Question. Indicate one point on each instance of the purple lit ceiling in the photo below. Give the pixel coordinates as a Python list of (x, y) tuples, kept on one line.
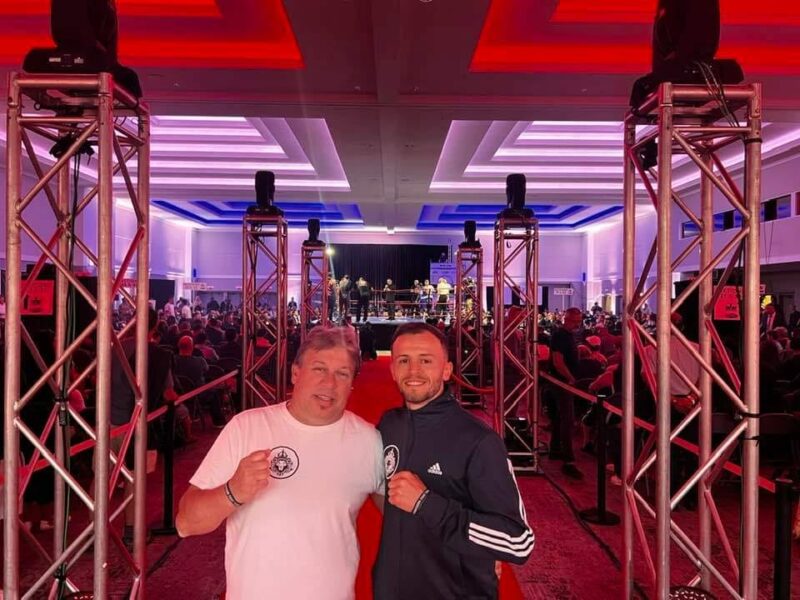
[(574, 170)]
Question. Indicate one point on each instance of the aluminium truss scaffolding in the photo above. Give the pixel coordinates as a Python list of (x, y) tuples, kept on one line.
[(698, 122), (468, 322), (314, 286), (264, 309), (514, 341), (77, 113)]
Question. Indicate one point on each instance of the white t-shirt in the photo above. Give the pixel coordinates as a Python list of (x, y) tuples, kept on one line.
[(297, 539)]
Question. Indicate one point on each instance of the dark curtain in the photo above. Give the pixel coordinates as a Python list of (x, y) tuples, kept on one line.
[(403, 264)]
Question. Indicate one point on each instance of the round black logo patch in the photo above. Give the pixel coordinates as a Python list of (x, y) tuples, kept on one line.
[(391, 458), (283, 462)]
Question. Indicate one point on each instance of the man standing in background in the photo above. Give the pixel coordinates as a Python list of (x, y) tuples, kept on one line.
[(443, 290), (564, 350), (388, 297), (362, 308), (344, 296)]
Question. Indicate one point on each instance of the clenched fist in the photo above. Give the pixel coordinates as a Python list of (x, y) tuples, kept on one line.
[(251, 476), (405, 488)]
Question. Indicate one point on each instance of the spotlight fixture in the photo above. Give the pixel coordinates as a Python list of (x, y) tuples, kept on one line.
[(63, 144), (470, 231), (686, 37), (313, 234), (329, 251), (265, 195), (648, 155), (516, 186), (85, 34)]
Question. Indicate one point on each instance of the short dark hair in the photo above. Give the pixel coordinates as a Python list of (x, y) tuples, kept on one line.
[(418, 328)]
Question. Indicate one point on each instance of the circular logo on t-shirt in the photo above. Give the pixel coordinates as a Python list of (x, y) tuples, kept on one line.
[(283, 462), (391, 458)]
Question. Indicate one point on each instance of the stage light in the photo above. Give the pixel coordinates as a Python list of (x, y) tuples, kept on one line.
[(265, 195), (685, 42), (65, 142), (470, 231), (85, 34), (329, 251), (516, 186), (313, 234)]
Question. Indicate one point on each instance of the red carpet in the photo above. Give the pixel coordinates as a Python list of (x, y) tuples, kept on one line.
[(373, 394)]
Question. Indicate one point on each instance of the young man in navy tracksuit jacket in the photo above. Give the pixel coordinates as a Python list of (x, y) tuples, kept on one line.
[(453, 507)]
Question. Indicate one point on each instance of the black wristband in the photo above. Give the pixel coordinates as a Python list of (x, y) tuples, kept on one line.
[(419, 501), (230, 495)]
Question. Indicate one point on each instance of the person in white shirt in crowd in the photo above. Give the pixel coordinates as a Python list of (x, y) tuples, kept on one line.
[(186, 310), (169, 309), (289, 479), (443, 290)]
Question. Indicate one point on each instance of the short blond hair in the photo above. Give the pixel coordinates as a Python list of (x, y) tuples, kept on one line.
[(327, 338)]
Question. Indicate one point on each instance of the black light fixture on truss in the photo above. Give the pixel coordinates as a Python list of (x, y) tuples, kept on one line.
[(470, 232), (516, 186), (685, 42), (85, 34), (313, 234), (265, 195)]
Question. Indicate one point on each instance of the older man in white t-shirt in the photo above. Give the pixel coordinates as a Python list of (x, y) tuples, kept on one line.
[(290, 480)]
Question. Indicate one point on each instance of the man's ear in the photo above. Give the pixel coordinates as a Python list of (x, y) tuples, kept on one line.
[(448, 370), (295, 373)]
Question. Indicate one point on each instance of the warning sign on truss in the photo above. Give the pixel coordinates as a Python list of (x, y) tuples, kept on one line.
[(39, 298), (728, 304)]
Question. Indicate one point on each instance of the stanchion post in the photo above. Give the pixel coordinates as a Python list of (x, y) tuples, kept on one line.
[(168, 525), (600, 515), (783, 540)]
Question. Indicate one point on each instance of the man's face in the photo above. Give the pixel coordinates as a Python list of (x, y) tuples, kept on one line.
[(322, 384), (388, 282), (572, 321), (419, 368)]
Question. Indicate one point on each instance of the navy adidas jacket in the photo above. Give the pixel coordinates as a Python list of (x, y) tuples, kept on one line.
[(473, 514)]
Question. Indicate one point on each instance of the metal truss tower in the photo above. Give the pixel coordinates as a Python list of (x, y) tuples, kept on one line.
[(514, 342), (468, 322), (74, 114), (264, 309), (313, 285), (696, 122)]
